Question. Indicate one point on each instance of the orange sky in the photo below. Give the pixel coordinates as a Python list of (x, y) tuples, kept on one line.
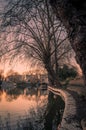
[(20, 67)]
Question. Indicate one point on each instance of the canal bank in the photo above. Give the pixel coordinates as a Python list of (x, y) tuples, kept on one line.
[(75, 110)]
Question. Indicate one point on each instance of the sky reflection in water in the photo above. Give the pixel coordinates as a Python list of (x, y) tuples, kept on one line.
[(22, 106)]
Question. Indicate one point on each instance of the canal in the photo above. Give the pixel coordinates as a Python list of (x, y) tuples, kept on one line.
[(22, 110)]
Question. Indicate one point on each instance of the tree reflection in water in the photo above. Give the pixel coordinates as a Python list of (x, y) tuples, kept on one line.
[(29, 111), (54, 112)]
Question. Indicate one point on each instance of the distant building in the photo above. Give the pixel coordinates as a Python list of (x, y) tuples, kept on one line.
[(43, 78), (37, 78)]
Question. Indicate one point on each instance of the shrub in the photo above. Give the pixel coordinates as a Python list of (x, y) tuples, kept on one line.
[(67, 72)]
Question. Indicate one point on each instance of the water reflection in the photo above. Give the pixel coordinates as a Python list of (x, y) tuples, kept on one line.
[(20, 110), (29, 110), (54, 112)]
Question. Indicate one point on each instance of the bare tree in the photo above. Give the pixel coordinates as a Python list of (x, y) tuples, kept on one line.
[(72, 14), (32, 31)]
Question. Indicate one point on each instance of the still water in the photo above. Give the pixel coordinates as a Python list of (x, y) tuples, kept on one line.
[(22, 111)]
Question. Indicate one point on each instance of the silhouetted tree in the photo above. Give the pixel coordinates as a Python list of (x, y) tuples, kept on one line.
[(35, 32)]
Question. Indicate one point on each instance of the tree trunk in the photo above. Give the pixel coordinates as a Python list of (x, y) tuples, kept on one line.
[(52, 77), (72, 14)]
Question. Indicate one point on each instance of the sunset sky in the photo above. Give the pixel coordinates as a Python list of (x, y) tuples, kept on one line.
[(20, 67)]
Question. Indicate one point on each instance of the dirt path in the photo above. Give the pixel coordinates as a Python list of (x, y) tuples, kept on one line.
[(78, 91)]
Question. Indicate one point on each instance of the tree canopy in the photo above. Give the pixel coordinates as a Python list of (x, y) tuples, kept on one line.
[(30, 30)]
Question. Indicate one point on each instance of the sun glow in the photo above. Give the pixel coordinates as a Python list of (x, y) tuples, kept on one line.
[(21, 68)]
